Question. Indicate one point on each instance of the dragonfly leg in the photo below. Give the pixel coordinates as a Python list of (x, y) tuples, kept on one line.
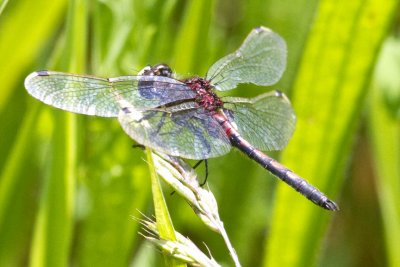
[(142, 147), (206, 169), (197, 164)]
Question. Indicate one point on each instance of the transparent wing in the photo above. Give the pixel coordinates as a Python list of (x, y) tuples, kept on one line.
[(266, 121), (261, 60), (188, 133), (104, 97)]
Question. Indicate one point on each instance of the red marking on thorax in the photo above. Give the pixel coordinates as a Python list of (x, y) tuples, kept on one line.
[(205, 97)]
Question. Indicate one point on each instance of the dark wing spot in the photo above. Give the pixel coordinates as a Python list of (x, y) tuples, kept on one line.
[(42, 73)]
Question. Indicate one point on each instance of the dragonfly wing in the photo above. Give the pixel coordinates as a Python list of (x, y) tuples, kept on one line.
[(261, 60), (266, 121), (188, 133), (104, 97)]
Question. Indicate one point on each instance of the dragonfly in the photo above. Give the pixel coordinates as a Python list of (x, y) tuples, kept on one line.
[(185, 117)]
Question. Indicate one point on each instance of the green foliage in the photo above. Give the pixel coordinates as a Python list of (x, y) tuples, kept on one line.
[(69, 184), (384, 132), (327, 99)]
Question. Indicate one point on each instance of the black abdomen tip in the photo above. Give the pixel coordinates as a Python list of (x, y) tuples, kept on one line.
[(330, 205)]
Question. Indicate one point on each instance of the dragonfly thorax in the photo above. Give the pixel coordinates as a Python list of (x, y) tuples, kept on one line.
[(205, 97)]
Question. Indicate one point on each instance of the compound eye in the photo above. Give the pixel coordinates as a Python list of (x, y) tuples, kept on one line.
[(148, 70), (162, 70)]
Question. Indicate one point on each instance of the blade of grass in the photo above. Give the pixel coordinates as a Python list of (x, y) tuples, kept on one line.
[(54, 225), (18, 19), (384, 133), (52, 232), (115, 175), (3, 5), (343, 44), (17, 23), (190, 45), (14, 177), (164, 223)]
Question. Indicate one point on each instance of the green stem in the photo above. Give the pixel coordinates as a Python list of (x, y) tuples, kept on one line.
[(164, 223)]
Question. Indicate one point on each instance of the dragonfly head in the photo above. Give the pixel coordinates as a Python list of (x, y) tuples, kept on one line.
[(156, 70)]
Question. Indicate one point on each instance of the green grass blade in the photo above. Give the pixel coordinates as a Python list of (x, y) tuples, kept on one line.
[(3, 5), (328, 93), (17, 21), (164, 223), (384, 133), (9, 175), (115, 179), (16, 182), (54, 225), (190, 45), (21, 36), (52, 232)]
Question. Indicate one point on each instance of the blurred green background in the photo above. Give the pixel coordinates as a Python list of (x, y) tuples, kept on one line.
[(69, 184)]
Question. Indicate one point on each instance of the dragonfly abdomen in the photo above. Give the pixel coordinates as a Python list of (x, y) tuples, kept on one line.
[(283, 173), (277, 169)]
